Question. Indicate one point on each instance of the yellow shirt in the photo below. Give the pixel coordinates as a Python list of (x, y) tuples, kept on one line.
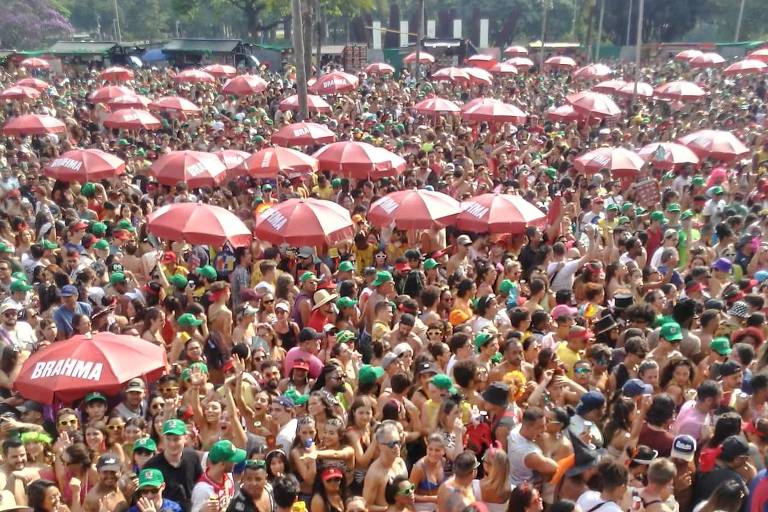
[(432, 408), (568, 357), (379, 330), (363, 257), (323, 193)]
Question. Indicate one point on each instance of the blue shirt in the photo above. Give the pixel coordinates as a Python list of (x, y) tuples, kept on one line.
[(167, 506), (63, 317)]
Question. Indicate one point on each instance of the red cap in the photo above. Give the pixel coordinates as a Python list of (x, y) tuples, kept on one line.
[(300, 364), (78, 225), (169, 257), (598, 200), (121, 234), (402, 267), (332, 472)]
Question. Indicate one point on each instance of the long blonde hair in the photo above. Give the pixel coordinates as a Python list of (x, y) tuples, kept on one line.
[(498, 468)]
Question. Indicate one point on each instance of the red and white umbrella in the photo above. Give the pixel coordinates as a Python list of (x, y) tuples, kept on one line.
[(451, 74), (644, 90), (33, 124), (609, 86), (668, 155), (563, 114), (515, 51), (132, 119), (35, 63), (424, 58), (199, 224), (359, 160), (233, 159), (313, 222), (195, 168), (481, 61), (746, 67), (622, 163), (593, 104), (592, 71), (108, 93), (116, 74), (707, 60), (436, 106), (761, 54), (83, 165), (499, 213), (560, 62), (314, 104), (680, 90), (194, 76), (715, 144), (174, 104), (379, 68), (334, 82), (522, 63), (130, 101), (220, 70), (303, 134), (19, 93), (494, 112), (244, 85), (503, 69), (271, 161), (414, 209), (687, 55), (479, 76), (34, 83)]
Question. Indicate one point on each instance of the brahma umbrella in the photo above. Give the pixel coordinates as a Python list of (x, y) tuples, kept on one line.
[(609, 86), (314, 104), (668, 155), (479, 76), (761, 55), (174, 104), (34, 83), (312, 222), (233, 160), (593, 104), (270, 162), (195, 168), (359, 160), (746, 67), (83, 165), (414, 209), (220, 70), (379, 68), (451, 74), (680, 90), (33, 124), (592, 71), (424, 58), (194, 76), (132, 119), (622, 163), (643, 90), (707, 60), (481, 61), (244, 85), (19, 93), (35, 63), (523, 63), (563, 114), (108, 93), (436, 106), (334, 82), (503, 69), (199, 224), (515, 51), (494, 112), (136, 101), (560, 62), (116, 74), (303, 134), (499, 213), (687, 55), (715, 144)]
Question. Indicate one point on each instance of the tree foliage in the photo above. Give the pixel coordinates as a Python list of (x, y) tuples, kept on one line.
[(31, 24)]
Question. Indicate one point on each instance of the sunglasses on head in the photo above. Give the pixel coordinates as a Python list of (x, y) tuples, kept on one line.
[(256, 464)]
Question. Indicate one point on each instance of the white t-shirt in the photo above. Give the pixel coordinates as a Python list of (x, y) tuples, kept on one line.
[(518, 449), (286, 435), (564, 278), (589, 501)]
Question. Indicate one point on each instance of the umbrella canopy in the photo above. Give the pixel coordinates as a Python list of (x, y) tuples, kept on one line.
[(593, 104), (359, 160), (414, 209), (232, 158), (707, 60), (680, 90), (244, 85), (622, 163), (195, 168), (499, 213), (174, 104), (304, 222), (563, 114), (494, 112), (130, 101), (481, 61), (436, 106), (478, 101), (746, 67), (761, 54), (199, 224), (132, 119), (560, 62), (19, 93), (609, 86), (35, 63), (644, 90), (334, 82), (270, 162), (523, 63), (503, 69), (83, 165), (479, 76), (220, 70), (379, 68), (34, 83), (303, 134), (33, 124), (424, 58), (108, 93), (715, 144), (687, 55), (314, 104), (116, 74), (451, 74), (103, 362), (515, 51), (194, 76), (592, 71), (668, 155)]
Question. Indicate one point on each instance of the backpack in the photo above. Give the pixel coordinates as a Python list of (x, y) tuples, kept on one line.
[(215, 354), (412, 284)]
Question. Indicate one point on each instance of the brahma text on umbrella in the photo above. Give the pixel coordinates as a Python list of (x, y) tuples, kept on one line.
[(275, 219), (475, 209), (68, 163), (86, 370)]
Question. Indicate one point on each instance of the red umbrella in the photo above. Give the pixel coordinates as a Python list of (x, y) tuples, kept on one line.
[(481, 61), (761, 54), (414, 209), (83, 165), (34, 83), (451, 74), (110, 92), (494, 112), (33, 124), (593, 104), (746, 67), (198, 224), (687, 55), (424, 58), (504, 69), (592, 71), (303, 134), (244, 85), (19, 93), (668, 155), (194, 76), (304, 222), (436, 106), (334, 82), (515, 51), (499, 213), (523, 63), (269, 162), (220, 70), (560, 62), (479, 76), (715, 144), (622, 163), (707, 60), (563, 114), (680, 90), (359, 160), (174, 104), (195, 168), (132, 119), (314, 104), (35, 63), (232, 158), (609, 86), (103, 362), (379, 68), (116, 74), (644, 90), (130, 101)]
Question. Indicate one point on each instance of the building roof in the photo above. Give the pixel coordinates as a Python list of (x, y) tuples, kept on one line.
[(82, 47), (201, 45)]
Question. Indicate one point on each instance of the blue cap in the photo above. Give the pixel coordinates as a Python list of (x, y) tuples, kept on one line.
[(69, 291), (589, 402), (761, 275), (636, 387)]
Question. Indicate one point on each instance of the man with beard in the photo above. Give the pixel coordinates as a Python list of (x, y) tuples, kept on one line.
[(512, 350), (216, 487), (14, 473), (270, 376), (19, 335), (302, 306), (106, 489)]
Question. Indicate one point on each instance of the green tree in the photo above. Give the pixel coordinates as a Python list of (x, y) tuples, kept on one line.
[(664, 21)]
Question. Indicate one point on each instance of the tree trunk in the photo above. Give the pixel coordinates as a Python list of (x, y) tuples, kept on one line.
[(250, 19), (307, 29), (287, 27), (391, 37), (319, 31)]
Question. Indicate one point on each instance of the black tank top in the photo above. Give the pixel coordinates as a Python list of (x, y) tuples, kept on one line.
[(288, 339)]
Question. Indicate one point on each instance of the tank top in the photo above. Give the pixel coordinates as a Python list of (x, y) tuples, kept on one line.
[(296, 313), (288, 338)]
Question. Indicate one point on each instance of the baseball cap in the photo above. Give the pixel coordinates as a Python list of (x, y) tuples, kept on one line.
[(721, 345), (135, 385), (331, 472), (150, 477), (174, 427), (69, 291), (117, 278), (306, 276), (101, 245), (145, 443), (98, 228), (430, 263), (20, 286), (308, 333), (346, 266), (671, 332), (369, 374), (482, 339), (442, 381), (8, 306), (189, 320), (225, 451), (94, 396), (207, 272), (108, 462), (683, 448), (382, 277), (178, 280), (345, 336), (562, 310), (345, 302), (733, 446), (723, 265), (388, 359), (463, 240), (728, 368), (636, 387)]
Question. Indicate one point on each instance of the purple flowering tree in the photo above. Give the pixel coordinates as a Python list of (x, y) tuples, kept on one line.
[(30, 24)]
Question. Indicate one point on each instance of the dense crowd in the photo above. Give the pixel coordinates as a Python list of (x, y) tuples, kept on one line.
[(609, 359)]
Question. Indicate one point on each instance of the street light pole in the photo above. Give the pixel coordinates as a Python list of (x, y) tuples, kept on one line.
[(419, 37), (543, 32), (638, 48), (629, 21), (299, 58), (738, 22), (600, 30), (117, 23)]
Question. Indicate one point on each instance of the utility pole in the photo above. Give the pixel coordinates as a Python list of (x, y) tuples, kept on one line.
[(544, 7), (629, 21), (738, 22), (299, 58), (600, 30), (319, 29), (419, 37), (117, 23), (638, 47)]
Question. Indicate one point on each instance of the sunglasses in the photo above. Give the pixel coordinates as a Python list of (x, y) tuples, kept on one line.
[(143, 453), (268, 301), (406, 491), (169, 390), (583, 370), (70, 423), (115, 427), (392, 444)]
